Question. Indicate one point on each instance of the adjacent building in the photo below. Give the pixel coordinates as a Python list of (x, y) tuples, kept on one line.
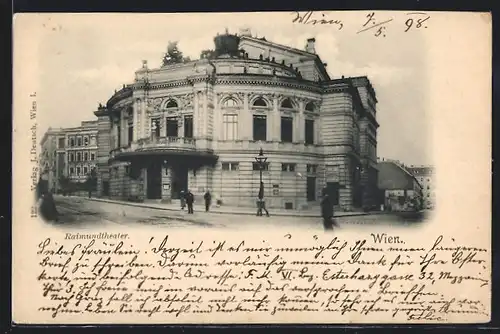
[(199, 125), (69, 152), (425, 175), (400, 190)]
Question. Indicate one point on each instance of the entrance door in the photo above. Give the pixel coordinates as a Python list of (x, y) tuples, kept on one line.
[(332, 188), (172, 127), (105, 188), (154, 181), (179, 181), (311, 188)]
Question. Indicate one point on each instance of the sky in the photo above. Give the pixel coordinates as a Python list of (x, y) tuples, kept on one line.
[(83, 58)]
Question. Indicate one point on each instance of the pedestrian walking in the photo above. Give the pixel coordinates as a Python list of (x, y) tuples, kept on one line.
[(190, 201), (327, 212), (208, 200), (261, 204), (182, 196)]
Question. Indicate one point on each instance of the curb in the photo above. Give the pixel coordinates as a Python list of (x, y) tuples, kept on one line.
[(227, 213)]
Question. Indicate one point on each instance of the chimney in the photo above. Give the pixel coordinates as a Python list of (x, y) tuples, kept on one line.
[(310, 45)]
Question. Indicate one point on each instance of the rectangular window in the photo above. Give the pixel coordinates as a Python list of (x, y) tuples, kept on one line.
[(78, 156), (287, 129), (259, 128), (92, 156), (86, 141), (86, 156), (71, 171), (71, 157), (312, 168), (288, 167), (172, 127), (230, 123), (230, 166), (85, 170), (72, 142), (77, 170), (309, 132), (188, 126), (79, 140), (61, 142), (256, 166)]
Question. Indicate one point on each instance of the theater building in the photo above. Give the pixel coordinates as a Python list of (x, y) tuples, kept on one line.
[(200, 124)]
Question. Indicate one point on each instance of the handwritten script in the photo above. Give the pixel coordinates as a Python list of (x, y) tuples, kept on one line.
[(371, 23), (373, 277)]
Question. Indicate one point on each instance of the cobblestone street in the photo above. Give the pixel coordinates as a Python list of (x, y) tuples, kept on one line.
[(78, 212)]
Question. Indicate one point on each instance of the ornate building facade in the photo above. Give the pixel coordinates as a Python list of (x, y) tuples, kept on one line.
[(70, 152), (199, 125)]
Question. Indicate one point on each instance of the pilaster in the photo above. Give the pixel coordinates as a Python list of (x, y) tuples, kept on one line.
[(274, 124)]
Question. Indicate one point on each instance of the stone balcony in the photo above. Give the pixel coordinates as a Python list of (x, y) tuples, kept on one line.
[(156, 144), (185, 149)]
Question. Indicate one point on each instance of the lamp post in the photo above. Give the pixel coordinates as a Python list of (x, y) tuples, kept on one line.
[(261, 160)]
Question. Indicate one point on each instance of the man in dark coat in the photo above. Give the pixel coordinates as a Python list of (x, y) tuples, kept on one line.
[(190, 201), (327, 212), (208, 200), (261, 204)]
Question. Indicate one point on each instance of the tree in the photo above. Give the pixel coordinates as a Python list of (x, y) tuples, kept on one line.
[(173, 55), (91, 181), (206, 54)]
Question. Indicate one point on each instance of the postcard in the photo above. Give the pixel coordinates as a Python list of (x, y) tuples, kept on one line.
[(261, 167)]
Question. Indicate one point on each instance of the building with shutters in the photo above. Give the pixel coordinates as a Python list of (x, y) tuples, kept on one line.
[(71, 152), (200, 124)]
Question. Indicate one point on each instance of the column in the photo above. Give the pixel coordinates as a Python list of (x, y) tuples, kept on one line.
[(195, 115), (217, 119), (163, 125), (245, 121), (205, 114), (300, 127), (144, 121), (135, 110), (275, 133), (301, 124)]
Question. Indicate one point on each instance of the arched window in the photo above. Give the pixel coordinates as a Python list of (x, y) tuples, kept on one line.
[(172, 104), (310, 106), (229, 103), (260, 103), (287, 104)]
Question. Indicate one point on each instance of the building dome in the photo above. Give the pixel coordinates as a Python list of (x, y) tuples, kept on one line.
[(226, 45)]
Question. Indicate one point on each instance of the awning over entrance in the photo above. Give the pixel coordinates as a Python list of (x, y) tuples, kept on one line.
[(189, 160)]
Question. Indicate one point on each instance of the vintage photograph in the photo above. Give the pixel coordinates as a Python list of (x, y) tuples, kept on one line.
[(233, 119), (242, 168)]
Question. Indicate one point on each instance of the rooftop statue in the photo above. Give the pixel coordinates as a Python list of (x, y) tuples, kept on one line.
[(227, 45)]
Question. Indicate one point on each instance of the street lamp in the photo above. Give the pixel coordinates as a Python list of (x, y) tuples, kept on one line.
[(261, 160)]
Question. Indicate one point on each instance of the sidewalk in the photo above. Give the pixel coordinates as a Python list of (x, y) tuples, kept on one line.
[(233, 210)]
